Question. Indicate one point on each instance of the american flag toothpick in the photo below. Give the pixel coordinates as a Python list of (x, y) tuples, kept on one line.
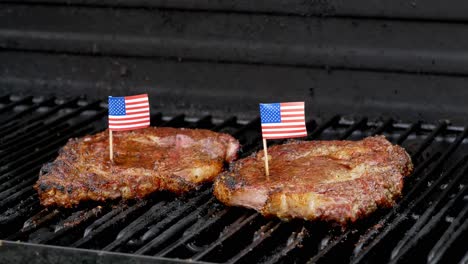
[(127, 113), (281, 120)]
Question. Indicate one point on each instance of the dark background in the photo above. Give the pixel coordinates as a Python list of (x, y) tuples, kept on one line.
[(402, 59)]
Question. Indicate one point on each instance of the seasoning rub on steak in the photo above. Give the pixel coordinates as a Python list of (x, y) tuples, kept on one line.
[(337, 181), (145, 161)]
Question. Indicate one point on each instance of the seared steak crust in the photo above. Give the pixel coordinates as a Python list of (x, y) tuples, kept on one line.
[(329, 180), (145, 161)]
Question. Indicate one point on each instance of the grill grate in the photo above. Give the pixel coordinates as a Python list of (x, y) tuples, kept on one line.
[(428, 223)]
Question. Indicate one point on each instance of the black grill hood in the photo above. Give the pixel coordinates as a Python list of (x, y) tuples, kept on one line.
[(404, 59)]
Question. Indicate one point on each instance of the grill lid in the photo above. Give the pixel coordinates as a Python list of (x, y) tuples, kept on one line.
[(428, 223)]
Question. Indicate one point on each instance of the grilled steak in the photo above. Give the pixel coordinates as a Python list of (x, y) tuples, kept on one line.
[(330, 180), (145, 161)]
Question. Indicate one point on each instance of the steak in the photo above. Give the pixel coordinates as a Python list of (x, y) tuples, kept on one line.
[(338, 181), (145, 161)]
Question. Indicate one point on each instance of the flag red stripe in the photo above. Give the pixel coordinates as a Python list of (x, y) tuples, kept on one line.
[(129, 128), (137, 104), (138, 96), (126, 118), (136, 119), (284, 131), (280, 137), (292, 104), (281, 126), (269, 131), (292, 110), (290, 121), (128, 124), (140, 111), (292, 115)]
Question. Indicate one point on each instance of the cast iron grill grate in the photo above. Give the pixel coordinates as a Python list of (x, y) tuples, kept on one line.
[(428, 224)]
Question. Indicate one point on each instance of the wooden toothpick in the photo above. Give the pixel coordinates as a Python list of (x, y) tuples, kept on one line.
[(111, 147), (267, 170)]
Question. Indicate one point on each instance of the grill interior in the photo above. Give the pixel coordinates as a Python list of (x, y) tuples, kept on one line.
[(429, 222)]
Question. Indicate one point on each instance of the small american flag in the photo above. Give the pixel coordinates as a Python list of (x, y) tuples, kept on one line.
[(283, 120), (129, 112)]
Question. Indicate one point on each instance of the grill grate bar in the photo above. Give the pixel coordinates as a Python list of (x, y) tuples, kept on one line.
[(329, 246), (464, 259), (15, 192), (34, 163), (182, 210), (153, 214), (171, 212), (457, 228), (194, 231), (14, 186), (361, 124), (430, 226), (17, 116), (428, 140), (36, 121), (293, 243), (13, 104), (78, 218), (404, 244), (359, 255), (205, 122), (263, 233), (117, 219), (22, 210), (43, 217), (228, 232), (22, 160), (41, 141), (231, 121), (104, 219), (255, 123), (14, 195), (22, 138), (177, 121), (412, 128), (28, 167), (311, 125), (156, 119), (165, 236), (382, 128), (26, 156), (319, 130), (70, 223)]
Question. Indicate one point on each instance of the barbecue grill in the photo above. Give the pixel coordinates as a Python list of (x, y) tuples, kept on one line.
[(428, 223), (362, 71)]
